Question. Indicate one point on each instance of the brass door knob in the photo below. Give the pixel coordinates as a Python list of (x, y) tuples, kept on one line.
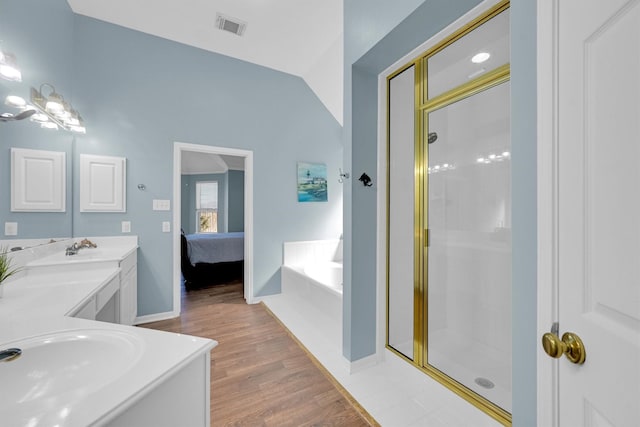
[(570, 344)]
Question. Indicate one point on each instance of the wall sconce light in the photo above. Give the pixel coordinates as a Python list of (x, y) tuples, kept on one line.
[(54, 111), (9, 68)]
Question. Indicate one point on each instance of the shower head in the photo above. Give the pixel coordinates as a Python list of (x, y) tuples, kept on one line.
[(432, 137)]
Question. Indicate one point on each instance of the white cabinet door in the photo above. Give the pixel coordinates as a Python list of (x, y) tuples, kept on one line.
[(88, 311), (129, 297), (102, 183), (38, 181), (597, 207)]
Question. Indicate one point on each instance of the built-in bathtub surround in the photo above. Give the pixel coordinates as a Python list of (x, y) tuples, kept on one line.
[(312, 276)]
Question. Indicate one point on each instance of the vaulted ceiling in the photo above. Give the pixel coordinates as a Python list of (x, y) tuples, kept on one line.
[(299, 37)]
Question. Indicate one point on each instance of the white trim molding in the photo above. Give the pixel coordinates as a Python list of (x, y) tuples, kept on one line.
[(547, 214), (140, 320), (178, 149)]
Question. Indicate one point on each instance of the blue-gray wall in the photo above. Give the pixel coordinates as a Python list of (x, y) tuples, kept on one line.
[(375, 38), (188, 200), (138, 95), (40, 34), (524, 236), (230, 200), (235, 201), (365, 23), (144, 93)]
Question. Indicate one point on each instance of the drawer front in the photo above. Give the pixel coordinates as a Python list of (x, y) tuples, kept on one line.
[(107, 292)]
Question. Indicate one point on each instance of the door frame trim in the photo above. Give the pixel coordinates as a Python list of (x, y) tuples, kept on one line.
[(178, 148), (547, 211)]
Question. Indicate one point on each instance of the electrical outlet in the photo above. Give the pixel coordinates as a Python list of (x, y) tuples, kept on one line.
[(10, 228), (126, 226), (166, 227)]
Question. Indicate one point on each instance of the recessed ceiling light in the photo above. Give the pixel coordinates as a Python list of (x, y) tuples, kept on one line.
[(479, 58)]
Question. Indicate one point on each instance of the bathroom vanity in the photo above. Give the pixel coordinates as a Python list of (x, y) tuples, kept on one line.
[(117, 300), (79, 366)]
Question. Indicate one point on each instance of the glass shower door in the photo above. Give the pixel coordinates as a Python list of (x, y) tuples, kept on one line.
[(468, 211)]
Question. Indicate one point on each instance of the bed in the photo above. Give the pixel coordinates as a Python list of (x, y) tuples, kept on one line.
[(212, 258)]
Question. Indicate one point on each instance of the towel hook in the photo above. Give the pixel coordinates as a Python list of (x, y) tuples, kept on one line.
[(343, 176)]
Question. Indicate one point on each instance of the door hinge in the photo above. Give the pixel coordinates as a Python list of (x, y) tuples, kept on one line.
[(427, 237)]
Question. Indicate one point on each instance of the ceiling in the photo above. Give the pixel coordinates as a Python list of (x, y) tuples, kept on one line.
[(299, 37), (195, 163)]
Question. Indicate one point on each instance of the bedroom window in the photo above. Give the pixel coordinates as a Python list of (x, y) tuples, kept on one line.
[(207, 206)]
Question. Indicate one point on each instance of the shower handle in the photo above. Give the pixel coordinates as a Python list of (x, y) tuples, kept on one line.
[(570, 344)]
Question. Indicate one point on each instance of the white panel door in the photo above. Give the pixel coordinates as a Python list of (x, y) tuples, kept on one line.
[(102, 183), (598, 239)]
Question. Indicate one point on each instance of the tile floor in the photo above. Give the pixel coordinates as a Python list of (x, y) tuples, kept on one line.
[(392, 391)]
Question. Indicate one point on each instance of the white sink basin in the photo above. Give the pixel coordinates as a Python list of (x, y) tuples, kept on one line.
[(83, 255), (63, 367)]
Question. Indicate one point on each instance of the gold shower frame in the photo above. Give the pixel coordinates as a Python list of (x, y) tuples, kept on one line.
[(423, 106)]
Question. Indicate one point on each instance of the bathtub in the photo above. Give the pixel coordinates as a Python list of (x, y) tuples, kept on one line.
[(312, 274), (328, 273)]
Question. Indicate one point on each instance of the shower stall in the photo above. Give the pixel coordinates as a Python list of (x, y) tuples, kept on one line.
[(449, 212)]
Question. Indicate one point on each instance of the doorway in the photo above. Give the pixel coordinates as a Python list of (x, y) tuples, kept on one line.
[(184, 149)]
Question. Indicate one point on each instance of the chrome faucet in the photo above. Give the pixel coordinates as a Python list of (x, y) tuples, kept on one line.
[(85, 243), (10, 354), (73, 249)]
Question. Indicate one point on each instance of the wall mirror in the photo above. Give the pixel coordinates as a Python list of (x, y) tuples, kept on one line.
[(38, 64), (449, 213), (24, 135)]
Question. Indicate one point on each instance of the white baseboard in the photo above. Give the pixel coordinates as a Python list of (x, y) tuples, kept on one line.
[(155, 317), (360, 364)]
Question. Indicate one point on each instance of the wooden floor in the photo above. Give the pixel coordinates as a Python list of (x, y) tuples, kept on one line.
[(260, 376)]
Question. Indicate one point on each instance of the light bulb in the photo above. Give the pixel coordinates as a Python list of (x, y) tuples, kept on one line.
[(480, 57)]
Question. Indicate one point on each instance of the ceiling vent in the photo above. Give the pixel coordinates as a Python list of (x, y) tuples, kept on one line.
[(230, 24)]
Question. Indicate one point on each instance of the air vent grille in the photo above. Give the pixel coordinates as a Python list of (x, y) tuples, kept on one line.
[(230, 24)]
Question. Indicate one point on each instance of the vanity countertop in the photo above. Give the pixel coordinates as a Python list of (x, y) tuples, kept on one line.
[(108, 249), (36, 305)]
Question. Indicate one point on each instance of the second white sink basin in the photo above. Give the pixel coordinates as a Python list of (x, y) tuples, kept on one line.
[(65, 366)]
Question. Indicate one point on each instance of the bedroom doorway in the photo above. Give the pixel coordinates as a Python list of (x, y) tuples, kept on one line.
[(219, 156)]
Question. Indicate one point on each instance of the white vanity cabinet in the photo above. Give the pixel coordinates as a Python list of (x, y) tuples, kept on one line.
[(180, 399), (161, 379), (115, 300), (86, 311), (129, 289), (103, 305)]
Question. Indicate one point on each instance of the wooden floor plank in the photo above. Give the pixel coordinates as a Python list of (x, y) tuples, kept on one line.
[(260, 375)]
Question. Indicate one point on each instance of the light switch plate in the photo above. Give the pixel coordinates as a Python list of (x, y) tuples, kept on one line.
[(166, 227), (126, 226), (10, 228), (161, 205)]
